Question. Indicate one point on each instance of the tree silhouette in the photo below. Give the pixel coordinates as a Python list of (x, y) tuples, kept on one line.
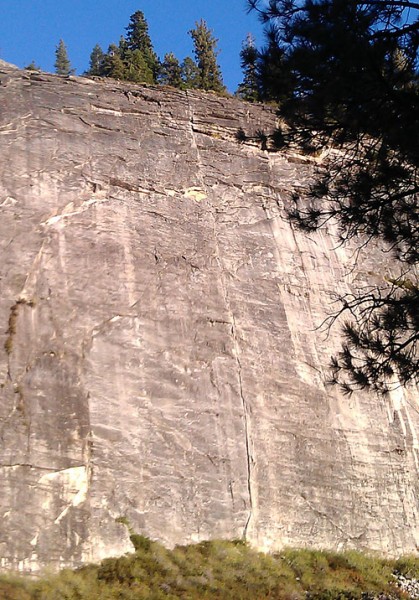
[(347, 79)]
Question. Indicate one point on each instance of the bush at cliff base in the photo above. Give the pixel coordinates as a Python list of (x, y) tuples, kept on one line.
[(224, 570)]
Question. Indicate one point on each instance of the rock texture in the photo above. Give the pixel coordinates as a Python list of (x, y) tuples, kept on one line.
[(159, 355)]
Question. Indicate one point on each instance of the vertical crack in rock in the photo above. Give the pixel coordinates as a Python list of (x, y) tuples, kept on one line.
[(88, 452), (10, 333), (19, 405), (250, 461), (247, 433)]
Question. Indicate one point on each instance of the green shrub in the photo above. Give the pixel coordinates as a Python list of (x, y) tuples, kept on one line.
[(407, 566), (218, 570), (12, 588), (140, 542)]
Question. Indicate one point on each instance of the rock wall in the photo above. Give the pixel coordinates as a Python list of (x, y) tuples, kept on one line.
[(160, 357)]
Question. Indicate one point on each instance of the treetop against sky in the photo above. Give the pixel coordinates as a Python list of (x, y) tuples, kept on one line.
[(31, 30)]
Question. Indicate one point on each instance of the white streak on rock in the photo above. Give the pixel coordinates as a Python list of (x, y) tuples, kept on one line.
[(69, 210)]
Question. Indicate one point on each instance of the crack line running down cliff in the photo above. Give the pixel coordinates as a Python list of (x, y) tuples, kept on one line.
[(245, 405)]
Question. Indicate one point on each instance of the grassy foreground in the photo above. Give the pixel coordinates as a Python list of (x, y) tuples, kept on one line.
[(219, 569)]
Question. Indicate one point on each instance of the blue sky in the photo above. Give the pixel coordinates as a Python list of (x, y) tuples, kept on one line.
[(31, 29)]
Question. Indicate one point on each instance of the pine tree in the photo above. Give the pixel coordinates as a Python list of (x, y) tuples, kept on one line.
[(275, 79), (96, 62), (137, 68), (190, 74), (353, 86), (62, 63), (112, 64), (132, 60), (32, 66), (249, 88), (206, 57), (171, 71), (123, 46), (138, 38)]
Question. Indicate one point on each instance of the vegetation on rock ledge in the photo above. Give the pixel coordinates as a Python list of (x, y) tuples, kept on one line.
[(221, 569)]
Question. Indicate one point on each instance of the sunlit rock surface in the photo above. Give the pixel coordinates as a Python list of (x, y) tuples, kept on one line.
[(160, 357)]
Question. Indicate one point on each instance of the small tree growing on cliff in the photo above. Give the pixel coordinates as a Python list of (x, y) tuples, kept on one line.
[(32, 66), (62, 63), (206, 57)]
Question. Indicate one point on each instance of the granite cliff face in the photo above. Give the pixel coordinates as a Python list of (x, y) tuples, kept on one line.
[(159, 357)]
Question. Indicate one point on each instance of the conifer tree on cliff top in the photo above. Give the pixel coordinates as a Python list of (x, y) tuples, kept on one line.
[(249, 88), (112, 64), (96, 61), (62, 63), (347, 79), (138, 39), (133, 59), (171, 71), (190, 73), (206, 57)]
